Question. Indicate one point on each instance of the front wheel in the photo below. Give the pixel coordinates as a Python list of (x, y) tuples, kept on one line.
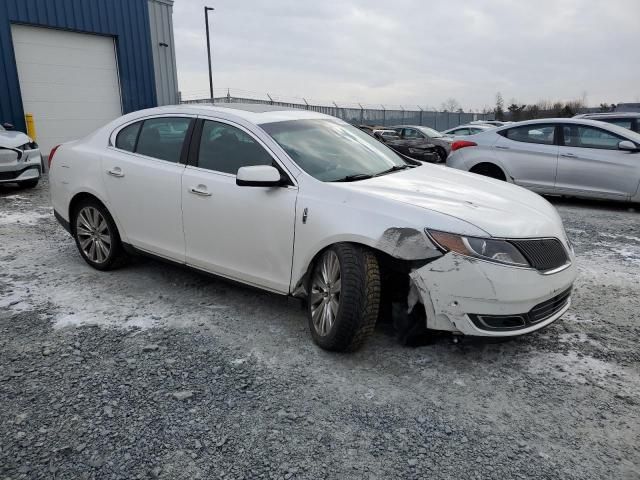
[(344, 297), (442, 154)]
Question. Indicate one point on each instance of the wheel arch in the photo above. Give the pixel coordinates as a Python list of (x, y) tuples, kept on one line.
[(491, 165), (86, 195)]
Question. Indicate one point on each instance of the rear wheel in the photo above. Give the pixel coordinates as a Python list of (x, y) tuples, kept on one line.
[(442, 154), (344, 297), (28, 183), (96, 236)]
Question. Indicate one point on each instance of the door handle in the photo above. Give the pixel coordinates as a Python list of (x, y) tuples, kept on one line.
[(502, 147), (200, 190), (115, 172), (570, 155)]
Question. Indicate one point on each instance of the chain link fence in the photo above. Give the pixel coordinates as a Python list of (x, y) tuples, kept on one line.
[(369, 116)]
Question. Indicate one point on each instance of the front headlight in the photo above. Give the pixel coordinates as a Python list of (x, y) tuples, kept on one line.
[(498, 251)]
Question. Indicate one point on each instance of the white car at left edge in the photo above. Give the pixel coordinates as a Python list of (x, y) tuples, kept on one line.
[(20, 159), (303, 204)]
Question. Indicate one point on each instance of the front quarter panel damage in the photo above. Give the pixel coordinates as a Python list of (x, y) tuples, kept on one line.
[(455, 285)]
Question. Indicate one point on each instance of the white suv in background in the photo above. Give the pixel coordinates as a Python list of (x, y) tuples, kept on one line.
[(303, 204)]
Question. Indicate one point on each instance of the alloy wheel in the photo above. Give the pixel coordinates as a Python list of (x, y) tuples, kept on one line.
[(325, 293), (93, 234)]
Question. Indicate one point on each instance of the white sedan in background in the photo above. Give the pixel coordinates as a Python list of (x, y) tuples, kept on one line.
[(563, 156), (303, 204)]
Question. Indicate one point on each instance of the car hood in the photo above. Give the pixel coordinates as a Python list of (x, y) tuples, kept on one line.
[(13, 139), (499, 208)]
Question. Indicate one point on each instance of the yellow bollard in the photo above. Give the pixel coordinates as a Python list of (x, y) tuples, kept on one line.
[(31, 125)]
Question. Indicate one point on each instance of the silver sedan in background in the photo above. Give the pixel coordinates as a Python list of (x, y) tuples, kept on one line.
[(574, 157)]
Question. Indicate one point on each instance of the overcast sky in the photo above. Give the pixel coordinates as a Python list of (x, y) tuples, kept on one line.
[(420, 52)]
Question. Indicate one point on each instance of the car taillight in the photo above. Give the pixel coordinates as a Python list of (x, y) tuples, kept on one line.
[(457, 145), (51, 154)]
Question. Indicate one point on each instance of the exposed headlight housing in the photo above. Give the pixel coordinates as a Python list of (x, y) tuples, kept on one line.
[(489, 249)]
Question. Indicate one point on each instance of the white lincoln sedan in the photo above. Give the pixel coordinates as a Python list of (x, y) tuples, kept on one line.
[(303, 204)]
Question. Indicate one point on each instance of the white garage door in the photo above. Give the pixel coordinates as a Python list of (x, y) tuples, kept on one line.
[(69, 82)]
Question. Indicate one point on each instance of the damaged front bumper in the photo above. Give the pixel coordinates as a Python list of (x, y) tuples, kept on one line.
[(475, 297)]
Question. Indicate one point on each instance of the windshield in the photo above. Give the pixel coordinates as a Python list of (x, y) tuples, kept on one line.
[(430, 132), (333, 151)]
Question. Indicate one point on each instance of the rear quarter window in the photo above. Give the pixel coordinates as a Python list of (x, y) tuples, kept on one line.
[(538, 133), (126, 139)]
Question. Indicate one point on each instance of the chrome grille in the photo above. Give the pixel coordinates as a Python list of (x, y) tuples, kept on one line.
[(543, 253)]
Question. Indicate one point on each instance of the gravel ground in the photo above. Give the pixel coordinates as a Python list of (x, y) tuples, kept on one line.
[(153, 371)]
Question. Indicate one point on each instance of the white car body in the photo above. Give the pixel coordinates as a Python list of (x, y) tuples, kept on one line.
[(268, 237), (13, 169), (592, 165)]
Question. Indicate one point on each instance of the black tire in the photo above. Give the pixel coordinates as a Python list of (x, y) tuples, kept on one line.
[(359, 299), (442, 154), (33, 183), (116, 256)]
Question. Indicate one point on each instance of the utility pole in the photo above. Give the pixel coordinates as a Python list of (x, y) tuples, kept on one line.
[(206, 22)]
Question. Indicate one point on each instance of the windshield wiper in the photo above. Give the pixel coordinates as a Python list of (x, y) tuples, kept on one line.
[(354, 177), (395, 168)]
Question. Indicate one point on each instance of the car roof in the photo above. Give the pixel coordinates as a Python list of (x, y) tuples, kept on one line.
[(253, 112)]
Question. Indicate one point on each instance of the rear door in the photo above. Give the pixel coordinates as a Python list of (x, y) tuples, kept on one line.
[(530, 155), (142, 174), (590, 162)]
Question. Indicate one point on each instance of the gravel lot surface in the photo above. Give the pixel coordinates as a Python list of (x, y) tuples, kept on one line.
[(153, 371)]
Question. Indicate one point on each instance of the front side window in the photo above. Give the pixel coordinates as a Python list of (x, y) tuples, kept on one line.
[(538, 133), (224, 148), (126, 139), (163, 138), (461, 131), (412, 133), (330, 151), (590, 137)]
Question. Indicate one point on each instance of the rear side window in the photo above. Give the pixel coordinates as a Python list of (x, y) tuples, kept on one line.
[(538, 133), (590, 137), (463, 131), (224, 148), (126, 139), (163, 138)]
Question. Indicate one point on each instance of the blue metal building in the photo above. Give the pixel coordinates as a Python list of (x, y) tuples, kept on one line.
[(53, 49)]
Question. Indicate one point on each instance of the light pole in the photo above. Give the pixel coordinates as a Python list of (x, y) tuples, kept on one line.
[(206, 22)]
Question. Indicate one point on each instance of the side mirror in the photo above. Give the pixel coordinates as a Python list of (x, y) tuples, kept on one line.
[(258, 176), (628, 145), (17, 151)]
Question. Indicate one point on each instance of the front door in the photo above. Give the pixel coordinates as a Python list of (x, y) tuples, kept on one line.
[(244, 233), (142, 174), (590, 161)]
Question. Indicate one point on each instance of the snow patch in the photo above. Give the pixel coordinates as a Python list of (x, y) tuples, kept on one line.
[(23, 218)]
